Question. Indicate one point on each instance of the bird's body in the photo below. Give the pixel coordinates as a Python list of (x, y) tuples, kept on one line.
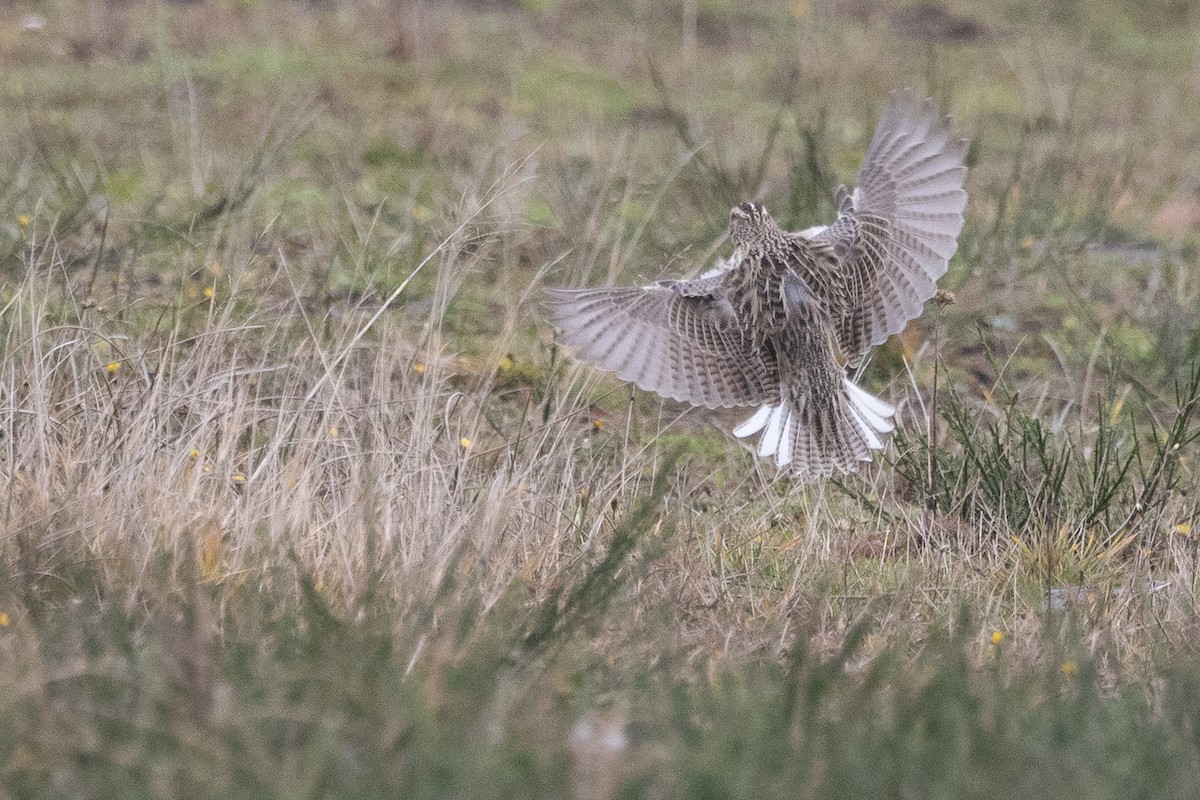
[(778, 323)]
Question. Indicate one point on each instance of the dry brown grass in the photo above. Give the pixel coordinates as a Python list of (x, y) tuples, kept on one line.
[(288, 452), (239, 435)]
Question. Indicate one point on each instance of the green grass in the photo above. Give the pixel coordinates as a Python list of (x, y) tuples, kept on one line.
[(293, 697), (300, 498)]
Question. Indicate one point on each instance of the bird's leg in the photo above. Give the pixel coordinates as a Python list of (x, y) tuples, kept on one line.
[(795, 293)]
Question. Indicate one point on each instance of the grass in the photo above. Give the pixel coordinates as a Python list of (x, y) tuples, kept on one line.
[(301, 499)]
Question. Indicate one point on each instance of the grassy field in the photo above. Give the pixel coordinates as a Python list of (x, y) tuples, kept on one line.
[(301, 500)]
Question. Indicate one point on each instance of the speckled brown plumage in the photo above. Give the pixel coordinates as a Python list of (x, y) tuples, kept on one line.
[(777, 324)]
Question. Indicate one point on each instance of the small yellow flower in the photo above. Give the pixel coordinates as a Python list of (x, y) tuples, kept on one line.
[(597, 424), (1184, 529), (506, 364), (997, 637), (239, 477), (208, 293), (1069, 667), (4, 620), (465, 443), (195, 453), (419, 367), (113, 366), (333, 431), (23, 221)]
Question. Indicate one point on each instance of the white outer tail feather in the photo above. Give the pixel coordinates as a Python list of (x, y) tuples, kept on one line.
[(871, 414), (769, 443), (754, 424)]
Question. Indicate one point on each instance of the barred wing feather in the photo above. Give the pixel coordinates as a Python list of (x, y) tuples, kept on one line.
[(672, 341), (897, 231)]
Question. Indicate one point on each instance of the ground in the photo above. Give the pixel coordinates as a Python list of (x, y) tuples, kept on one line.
[(302, 500)]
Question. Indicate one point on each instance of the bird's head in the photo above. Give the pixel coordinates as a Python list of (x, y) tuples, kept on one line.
[(750, 224)]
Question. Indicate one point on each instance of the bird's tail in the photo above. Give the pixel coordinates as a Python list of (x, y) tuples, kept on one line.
[(821, 434)]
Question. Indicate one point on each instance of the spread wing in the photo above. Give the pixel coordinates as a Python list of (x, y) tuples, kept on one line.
[(679, 339), (897, 231)]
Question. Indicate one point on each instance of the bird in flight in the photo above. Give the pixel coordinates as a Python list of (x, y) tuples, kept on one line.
[(779, 323)]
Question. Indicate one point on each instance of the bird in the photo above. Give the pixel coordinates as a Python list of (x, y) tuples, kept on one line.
[(785, 321)]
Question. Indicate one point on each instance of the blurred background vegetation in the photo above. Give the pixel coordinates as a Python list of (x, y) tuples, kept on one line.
[(303, 501)]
